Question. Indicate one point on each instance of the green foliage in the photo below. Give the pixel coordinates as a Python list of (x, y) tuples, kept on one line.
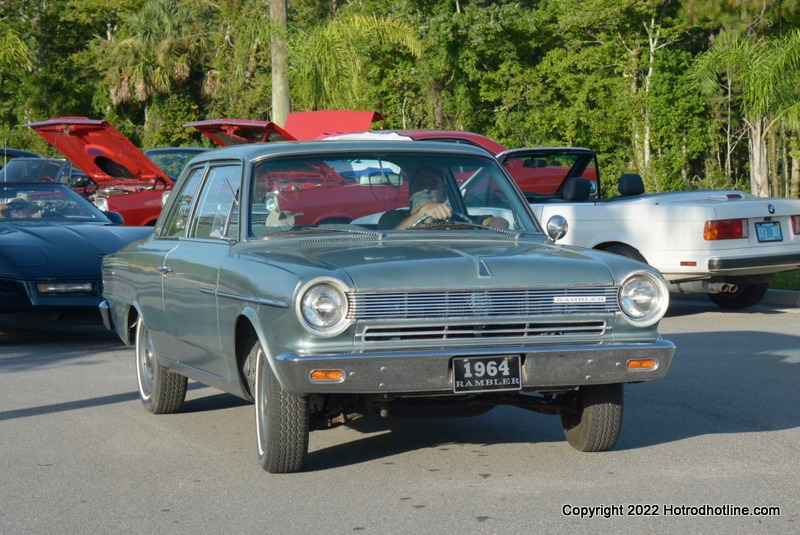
[(787, 280), (613, 75)]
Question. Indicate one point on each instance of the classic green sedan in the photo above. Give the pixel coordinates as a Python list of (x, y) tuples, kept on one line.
[(442, 297)]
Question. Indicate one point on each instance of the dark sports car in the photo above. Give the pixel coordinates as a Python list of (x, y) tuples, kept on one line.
[(52, 242)]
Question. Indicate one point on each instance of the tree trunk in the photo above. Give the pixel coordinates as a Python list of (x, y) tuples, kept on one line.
[(794, 159), (281, 103), (759, 175)]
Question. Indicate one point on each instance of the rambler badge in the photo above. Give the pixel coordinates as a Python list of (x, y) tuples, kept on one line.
[(562, 299)]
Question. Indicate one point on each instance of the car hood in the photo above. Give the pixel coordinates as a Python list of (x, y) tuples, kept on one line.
[(451, 263), (100, 150), (300, 126), (226, 132), (45, 250)]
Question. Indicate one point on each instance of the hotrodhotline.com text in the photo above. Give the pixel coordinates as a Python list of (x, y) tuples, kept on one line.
[(608, 511)]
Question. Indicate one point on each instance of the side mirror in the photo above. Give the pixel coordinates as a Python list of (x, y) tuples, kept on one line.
[(115, 217), (557, 227)]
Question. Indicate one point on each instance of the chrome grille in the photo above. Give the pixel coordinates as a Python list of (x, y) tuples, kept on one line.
[(461, 332), (482, 304)]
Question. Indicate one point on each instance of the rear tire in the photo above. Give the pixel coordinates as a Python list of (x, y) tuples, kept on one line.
[(626, 251), (281, 421), (747, 296), (162, 391), (597, 423)]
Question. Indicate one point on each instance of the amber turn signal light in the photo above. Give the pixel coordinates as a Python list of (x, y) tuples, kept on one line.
[(327, 376), (725, 229), (642, 364)]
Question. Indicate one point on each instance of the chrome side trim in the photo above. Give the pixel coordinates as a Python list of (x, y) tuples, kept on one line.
[(245, 298)]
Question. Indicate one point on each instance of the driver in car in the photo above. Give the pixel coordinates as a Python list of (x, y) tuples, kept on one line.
[(426, 204)]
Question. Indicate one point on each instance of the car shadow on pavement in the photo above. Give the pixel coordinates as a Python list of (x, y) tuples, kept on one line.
[(751, 388), (372, 438)]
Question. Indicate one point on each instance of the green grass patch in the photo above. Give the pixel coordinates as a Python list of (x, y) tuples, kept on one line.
[(787, 280)]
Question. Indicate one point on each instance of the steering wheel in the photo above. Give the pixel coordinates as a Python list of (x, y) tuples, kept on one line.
[(454, 216)]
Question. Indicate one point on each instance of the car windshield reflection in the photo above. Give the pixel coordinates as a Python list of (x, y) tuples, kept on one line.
[(23, 202), (393, 192)]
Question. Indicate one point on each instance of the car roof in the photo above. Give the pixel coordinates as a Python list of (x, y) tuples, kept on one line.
[(17, 153), (254, 151)]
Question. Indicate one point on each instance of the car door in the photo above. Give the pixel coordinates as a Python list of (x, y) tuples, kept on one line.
[(191, 270)]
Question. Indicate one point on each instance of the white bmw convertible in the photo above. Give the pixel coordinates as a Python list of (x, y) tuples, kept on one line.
[(727, 244)]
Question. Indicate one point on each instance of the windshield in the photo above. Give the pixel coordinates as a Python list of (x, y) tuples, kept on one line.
[(32, 170), (45, 202), (172, 160), (384, 192)]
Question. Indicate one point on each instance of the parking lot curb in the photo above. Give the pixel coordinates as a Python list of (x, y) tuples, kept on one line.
[(781, 298)]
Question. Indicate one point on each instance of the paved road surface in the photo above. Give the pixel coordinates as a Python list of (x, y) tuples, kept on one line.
[(78, 454)]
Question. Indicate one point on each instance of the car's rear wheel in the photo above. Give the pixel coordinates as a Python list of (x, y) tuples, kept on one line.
[(747, 296), (597, 421), (162, 391), (626, 251), (281, 420)]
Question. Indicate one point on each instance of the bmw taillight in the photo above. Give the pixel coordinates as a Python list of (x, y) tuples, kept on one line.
[(725, 229), (796, 225)]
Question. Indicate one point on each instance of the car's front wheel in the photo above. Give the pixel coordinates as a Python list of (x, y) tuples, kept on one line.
[(281, 420), (162, 391), (747, 296), (596, 423)]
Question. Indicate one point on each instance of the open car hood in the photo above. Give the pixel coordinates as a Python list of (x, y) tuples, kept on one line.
[(300, 126), (226, 132), (101, 151)]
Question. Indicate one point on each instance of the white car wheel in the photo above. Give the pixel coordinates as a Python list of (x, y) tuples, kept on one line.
[(161, 391)]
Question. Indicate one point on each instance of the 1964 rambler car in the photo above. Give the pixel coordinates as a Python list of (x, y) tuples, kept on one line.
[(451, 305)]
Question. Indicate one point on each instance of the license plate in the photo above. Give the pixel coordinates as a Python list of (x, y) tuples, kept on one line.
[(486, 374), (769, 231)]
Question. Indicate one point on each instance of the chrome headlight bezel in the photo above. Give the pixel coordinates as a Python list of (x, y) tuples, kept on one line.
[(101, 203), (643, 298), (315, 297)]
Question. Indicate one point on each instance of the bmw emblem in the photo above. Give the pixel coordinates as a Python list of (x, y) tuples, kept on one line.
[(771, 209)]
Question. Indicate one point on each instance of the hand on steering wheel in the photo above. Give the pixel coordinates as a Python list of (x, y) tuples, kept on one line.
[(454, 216)]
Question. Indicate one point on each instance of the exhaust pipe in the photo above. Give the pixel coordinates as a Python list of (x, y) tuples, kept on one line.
[(704, 287)]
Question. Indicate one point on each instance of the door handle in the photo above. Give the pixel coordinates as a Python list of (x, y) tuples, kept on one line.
[(164, 269)]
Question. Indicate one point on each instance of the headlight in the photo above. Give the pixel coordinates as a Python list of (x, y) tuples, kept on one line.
[(102, 203), (322, 305), (644, 298), (271, 203)]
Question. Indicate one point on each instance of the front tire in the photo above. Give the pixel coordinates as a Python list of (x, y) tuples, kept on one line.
[(747, 296), (596, 424), (161, 391), (281, 420)]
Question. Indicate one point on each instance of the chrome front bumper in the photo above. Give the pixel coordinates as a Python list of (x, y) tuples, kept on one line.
[(431, 371)]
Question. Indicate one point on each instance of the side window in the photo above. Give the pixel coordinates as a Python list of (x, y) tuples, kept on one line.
[(175, 225), (217, 213)]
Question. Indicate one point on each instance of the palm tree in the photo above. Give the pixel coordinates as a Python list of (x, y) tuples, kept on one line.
[(328, 61), (157, 48), (281, 103), (762, 74), (14, 53)]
